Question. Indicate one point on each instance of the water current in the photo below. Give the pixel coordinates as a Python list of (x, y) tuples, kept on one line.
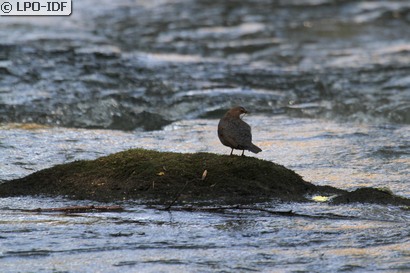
[(327, 84)]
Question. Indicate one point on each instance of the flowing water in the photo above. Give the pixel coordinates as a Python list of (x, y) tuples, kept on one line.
[(327, 84)]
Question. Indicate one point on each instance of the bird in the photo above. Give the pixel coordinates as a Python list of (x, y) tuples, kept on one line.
[(236, 133)]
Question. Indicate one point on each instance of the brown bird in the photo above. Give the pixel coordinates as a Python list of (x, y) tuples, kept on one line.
[(236, 133)]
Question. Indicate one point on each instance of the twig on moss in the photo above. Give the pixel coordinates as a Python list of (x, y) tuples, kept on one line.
[(179, 194)]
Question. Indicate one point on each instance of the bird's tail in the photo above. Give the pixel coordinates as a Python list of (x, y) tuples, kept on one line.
[(254, 149)]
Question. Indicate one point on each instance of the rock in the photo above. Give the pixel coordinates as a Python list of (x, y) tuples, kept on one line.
[(371, 195), (159, 177), (151, 175)]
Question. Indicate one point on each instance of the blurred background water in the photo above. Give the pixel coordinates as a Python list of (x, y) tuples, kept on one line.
[(328, 87)]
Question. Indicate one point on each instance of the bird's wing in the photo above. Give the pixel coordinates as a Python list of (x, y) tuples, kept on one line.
[(238, 133), (245, 135), (228, 139)]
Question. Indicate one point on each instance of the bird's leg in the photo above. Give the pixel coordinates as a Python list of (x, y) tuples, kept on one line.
[(243, 153), (231, 152)]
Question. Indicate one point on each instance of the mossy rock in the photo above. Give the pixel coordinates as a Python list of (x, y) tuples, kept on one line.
[(160, 177), (371, 195), (152, 175)]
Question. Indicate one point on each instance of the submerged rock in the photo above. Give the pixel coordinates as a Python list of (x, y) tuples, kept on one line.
[(371, 195), (161, 177)]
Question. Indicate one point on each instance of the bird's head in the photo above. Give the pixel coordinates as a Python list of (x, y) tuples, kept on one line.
[(237, 111)]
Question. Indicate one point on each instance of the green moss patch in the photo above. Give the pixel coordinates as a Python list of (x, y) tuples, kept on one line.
[(161, 177)]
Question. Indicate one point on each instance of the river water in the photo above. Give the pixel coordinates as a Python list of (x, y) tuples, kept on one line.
[(327, 84)]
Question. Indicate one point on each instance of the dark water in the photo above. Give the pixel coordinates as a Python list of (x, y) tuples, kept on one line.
[(139, 64), (142, 240), (328, 87)]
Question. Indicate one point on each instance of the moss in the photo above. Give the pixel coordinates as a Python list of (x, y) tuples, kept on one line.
[(159, 177)]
